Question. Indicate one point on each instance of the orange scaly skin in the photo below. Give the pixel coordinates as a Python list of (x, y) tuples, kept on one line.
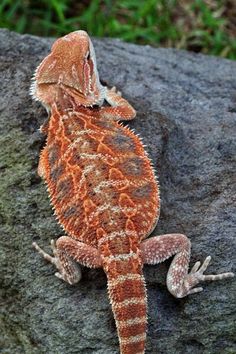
[(103, 189)]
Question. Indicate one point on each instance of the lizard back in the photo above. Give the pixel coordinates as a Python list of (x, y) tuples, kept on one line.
[(98, 175)]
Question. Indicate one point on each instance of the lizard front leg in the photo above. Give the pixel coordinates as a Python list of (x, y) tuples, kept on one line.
[(180, 283), (66, 252), (120, 108)]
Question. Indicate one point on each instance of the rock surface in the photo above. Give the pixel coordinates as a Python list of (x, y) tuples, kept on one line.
[(186, 107)]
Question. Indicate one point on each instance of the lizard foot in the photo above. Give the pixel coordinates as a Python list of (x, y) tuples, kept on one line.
[(68, 270), (196, 276), (114, 89)]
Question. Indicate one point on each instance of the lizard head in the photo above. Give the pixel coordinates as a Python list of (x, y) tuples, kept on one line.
[(69, 68)]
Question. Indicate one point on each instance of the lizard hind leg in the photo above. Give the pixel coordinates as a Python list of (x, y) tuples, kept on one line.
[(66, 252), (180, 283)]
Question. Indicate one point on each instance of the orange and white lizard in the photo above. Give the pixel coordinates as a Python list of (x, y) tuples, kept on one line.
[(103, 190)]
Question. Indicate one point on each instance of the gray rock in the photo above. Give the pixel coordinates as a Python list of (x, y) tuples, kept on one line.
[(186, 107)]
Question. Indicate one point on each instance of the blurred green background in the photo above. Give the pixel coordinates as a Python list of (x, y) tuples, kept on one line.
[(205, 26)]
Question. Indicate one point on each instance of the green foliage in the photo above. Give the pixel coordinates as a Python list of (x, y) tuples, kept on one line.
[(199, 25)]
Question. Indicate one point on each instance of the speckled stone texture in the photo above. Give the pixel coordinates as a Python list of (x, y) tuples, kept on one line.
[(186, 106)]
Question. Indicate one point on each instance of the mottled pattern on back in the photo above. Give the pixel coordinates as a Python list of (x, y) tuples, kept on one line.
[(98, 175)]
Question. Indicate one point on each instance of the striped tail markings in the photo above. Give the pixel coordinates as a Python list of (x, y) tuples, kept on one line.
[(127, 293)]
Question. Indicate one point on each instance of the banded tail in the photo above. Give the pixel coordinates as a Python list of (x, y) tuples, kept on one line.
[(127, 293)]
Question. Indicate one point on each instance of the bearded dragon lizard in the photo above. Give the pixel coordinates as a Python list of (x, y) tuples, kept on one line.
[(104, 190)]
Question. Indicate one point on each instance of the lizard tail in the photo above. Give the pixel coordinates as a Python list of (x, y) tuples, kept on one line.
[(127, 293)]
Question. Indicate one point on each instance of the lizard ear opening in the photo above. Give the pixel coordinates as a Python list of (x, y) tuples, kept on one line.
[(88, 57)]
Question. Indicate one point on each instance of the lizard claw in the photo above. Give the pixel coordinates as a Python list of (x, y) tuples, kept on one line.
[(52, 259), (69, 272), (195, 267), (113, 89), (201, 277), (196, 276)]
